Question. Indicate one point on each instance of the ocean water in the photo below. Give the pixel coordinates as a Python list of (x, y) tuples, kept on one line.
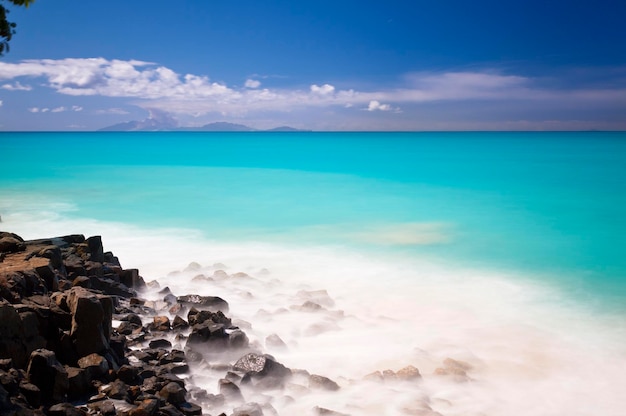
[(502, 250)]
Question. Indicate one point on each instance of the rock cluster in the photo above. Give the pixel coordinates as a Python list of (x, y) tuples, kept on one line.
[(78, 338)]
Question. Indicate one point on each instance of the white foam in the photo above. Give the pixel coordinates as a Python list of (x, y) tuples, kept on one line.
[(532, 351)]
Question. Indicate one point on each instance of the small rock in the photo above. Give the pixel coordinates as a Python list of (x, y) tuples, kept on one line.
[(323, 383), (173, 393)]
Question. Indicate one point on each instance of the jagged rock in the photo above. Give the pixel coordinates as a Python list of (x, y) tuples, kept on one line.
[(195, 316), (262, 370), (103, 407), (322, 383), (65, 409), (116, 390), (12, 342), (95, 364), (32, 393), (169, 410), (230, 390), (212, 303), (91, 320), (173, 393), (160, 323), (147, 407), (408, 373), (47, 373), (179, 323), (160, 343), (79, 381)]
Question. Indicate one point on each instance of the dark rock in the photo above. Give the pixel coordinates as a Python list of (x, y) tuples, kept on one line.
[(127, 328), (173, 393), (230, 390), (129, 374), (237, 339), (160, 323), (201, 333), (47, 373), (160, 343), (174, 356), (190, 409), (96, 251), (212, 303), (169, 410), (261, 366), (179, 323), (130, 278), (82, 281), (91, 320), (95, 364), (65, 409), (32, 393), (102, 407), (79, 383), (116, 390), (147, 407), (323, 383), (11, 243), (12, 342)]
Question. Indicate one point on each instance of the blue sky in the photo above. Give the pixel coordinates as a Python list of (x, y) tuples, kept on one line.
[(321, 65)]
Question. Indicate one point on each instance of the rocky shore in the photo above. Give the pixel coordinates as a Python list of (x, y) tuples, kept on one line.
[(77, 338)]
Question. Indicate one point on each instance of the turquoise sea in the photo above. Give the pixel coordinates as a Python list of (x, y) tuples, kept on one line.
[(525, 227)]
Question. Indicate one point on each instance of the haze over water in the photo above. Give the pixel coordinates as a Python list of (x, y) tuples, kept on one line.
[(503, 250)]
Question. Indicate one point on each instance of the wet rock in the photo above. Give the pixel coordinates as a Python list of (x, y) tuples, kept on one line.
[(190, 409), (47, 373), (173, 393), (103, 407), (179, 323), (160, 323), (116, 390), (129, 374), (230, 390), (32, 393), (262, 370), (212, 303), (12, 342), (79, 382), (160, 343), (65, 409), (408, 373), (322, 383), (95, 364)]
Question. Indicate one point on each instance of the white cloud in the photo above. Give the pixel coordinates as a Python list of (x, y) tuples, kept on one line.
[(149, 85), (34, 109), (325, 89), (77, 108), (252, 83), (118, 111), (16, 87), (375, 105), (58, 110), (1, 103)]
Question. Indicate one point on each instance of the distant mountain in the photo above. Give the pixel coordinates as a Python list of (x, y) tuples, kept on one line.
[(284, 128), (221, 126), (158, 121)]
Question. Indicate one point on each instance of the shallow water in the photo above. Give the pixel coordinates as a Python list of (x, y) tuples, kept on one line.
[(502, 250)]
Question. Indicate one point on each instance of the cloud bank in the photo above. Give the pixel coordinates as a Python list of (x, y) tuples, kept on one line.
[(149, 85)]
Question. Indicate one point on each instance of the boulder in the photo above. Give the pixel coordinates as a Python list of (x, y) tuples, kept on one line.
[(322, 383), (212, 303), (65, 409), (173, 393), (12, 342), (91, 320), (248, 409), (230, 390), (96, 365), (47, 373)]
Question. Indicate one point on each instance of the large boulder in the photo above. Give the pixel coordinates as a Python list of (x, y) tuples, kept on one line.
[(91, 320), (47, 373), (262, 371), (212, 303)]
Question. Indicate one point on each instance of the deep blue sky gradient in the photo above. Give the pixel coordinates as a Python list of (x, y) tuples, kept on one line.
[(360, 45)]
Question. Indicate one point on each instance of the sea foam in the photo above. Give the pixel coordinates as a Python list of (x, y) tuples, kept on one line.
[(524, 348)]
